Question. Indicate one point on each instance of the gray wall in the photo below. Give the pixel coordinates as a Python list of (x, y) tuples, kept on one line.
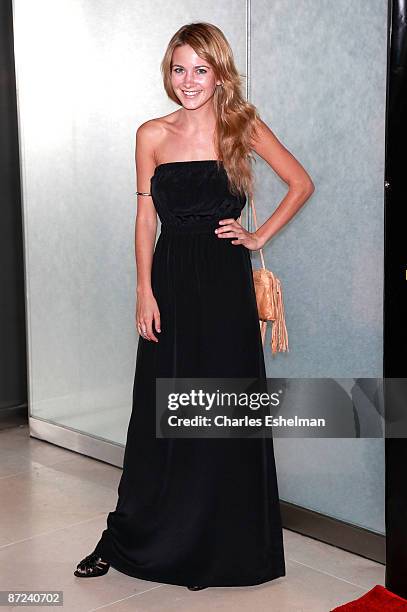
[(318, 77), (88, 75)]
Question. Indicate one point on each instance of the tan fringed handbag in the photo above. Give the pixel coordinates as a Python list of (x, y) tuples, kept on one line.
[(270, 303)]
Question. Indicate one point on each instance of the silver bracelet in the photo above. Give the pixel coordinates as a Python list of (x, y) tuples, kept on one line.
[(142, 193)]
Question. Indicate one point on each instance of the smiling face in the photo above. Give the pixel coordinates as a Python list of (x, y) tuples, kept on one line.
[(192, 78)]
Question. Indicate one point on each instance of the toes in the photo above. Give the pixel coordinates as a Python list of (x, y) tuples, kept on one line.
[(90, 565)]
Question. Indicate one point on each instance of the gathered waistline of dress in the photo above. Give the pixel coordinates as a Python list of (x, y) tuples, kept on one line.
[(204, 227)]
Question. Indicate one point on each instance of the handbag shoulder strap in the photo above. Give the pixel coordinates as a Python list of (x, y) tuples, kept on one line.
[(256, 226)]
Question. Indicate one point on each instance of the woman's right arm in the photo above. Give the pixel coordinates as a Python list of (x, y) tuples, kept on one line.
[(145, 233)]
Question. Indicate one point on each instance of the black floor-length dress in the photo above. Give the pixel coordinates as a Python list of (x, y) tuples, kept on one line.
[(196, 511)]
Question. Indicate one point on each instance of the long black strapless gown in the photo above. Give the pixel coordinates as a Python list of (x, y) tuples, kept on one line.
[(200, 511)]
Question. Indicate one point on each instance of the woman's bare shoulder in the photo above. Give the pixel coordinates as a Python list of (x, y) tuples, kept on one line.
[(158, 124), (153, 133)]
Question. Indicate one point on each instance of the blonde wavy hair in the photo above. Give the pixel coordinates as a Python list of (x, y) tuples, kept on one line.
[(235, 117)]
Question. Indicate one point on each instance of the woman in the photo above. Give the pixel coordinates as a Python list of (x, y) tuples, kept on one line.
[(198, 512)]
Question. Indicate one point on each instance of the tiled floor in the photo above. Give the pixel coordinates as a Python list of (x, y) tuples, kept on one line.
[(53, 508)]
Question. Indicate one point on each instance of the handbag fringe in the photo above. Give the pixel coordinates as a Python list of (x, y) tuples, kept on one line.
[(279, 334)]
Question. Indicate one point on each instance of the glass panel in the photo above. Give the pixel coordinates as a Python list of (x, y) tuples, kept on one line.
[(88, 76), (318, 77)]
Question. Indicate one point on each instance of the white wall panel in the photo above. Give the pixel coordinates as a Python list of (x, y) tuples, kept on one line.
[(88, 75)]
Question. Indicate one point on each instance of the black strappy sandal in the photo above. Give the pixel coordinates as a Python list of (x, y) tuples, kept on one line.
[(196, 588), (91, 566)]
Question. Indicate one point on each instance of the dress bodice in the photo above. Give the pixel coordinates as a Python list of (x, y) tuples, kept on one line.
[(189, 193)]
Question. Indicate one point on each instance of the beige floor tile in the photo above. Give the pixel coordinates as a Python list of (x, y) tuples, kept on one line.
[(50, 497), (54, 508), (301, 590), (18, 450), (333, 560), (47, 562)]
